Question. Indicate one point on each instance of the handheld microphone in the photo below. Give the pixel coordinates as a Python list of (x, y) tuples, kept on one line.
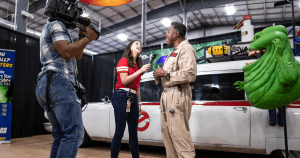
[(152, 57)]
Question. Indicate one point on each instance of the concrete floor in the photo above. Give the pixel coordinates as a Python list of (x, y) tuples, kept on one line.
[(39, 147)]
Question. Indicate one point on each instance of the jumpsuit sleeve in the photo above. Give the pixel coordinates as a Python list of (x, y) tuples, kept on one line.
[(187, 67)]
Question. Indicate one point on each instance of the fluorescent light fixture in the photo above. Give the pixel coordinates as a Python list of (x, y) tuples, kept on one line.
[(37, 33), (89, 52), (122, 37), (85, 15), (229, 9), (167, 22)]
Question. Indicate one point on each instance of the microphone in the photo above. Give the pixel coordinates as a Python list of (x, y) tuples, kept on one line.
[(152, 57)]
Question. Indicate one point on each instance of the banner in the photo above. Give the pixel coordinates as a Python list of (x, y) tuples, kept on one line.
[(7, 59), (162, 54)]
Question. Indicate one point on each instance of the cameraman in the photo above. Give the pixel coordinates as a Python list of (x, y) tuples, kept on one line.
[(58, 56)]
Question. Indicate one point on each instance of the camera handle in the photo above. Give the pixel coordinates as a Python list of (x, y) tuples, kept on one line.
[(91, 26), (80, 27)]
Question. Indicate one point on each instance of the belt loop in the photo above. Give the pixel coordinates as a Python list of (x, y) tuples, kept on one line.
[(180, 89)]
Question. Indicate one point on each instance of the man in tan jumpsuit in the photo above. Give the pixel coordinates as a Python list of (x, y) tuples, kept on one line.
[(180, 68)]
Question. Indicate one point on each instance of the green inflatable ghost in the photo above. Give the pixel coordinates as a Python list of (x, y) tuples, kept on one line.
[(3, 91), (273, 80)]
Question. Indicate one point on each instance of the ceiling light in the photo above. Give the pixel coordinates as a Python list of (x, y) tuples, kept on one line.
[(85, 15), (122, 37), (229, 9), (166, 22)]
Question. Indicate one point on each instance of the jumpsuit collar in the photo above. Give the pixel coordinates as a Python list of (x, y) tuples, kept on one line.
[(178, 47), (181, 44)]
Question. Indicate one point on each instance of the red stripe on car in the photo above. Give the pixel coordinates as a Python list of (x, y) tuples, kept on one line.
[(229, 103)]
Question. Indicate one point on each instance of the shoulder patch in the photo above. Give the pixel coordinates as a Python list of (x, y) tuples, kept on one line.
[(173, 54)]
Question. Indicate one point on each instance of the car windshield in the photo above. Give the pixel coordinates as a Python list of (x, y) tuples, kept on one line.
[(206, 87), (150, 92), (217, 87)]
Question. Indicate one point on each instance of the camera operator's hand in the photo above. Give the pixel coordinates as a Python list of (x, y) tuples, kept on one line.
[(82, 32), (91, 33)]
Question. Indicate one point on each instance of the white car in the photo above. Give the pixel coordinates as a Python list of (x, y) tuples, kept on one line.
[(230, 124)]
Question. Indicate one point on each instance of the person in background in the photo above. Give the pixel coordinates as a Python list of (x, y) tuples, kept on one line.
[(128, 72), (213, 94), (273, 117)]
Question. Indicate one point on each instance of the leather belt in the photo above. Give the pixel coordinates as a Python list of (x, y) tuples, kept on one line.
[(169, 88), (128, 89)]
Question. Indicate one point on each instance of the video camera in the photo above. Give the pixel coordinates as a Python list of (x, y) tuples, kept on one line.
[(68, 13)]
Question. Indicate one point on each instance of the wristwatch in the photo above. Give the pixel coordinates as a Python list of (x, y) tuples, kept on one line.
[(87, 37), (82, 36), (168, 74)]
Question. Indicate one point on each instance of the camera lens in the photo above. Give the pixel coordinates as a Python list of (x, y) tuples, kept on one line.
[(84, 21)]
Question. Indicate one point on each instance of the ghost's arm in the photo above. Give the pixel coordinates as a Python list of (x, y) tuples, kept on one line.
[(287, 69)]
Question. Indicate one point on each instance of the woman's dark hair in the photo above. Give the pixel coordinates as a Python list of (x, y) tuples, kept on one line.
[(180, 28), (128, 55)]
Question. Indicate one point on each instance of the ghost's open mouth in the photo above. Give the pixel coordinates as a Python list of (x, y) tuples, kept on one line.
[(261, 52)]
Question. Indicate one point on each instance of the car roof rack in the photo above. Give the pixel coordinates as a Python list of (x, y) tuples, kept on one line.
[(238, 51)]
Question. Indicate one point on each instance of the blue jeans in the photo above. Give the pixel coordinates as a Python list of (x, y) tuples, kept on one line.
[(119, 102), (273, 115), (65, 115)]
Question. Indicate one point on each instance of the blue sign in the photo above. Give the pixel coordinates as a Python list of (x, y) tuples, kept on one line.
[(7, 60), (5, 122), (162, 59)]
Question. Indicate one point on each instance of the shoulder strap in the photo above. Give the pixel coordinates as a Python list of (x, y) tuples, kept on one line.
[(49, 74)]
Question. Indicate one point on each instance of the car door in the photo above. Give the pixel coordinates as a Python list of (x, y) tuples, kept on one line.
[(221, 119), (96, 119)]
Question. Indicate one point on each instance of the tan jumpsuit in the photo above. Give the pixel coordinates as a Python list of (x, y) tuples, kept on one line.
[(181, 63)]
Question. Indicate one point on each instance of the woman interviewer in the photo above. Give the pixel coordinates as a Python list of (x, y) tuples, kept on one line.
[(129, 70)]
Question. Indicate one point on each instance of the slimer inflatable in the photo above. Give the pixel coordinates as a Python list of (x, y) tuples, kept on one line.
[(3, 91), (273, 80)]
